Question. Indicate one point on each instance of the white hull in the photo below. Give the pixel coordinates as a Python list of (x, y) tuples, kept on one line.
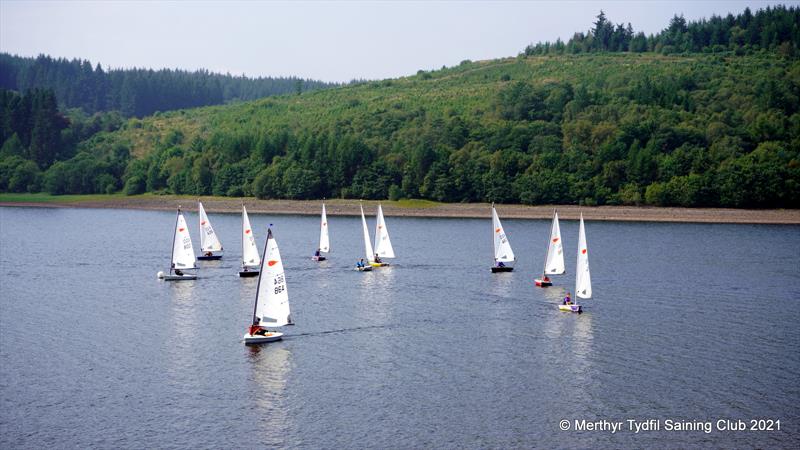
[(178, 277), (271, 336), (364, 269)]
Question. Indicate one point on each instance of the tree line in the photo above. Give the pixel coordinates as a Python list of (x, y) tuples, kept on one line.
[(696, 129), (772, 28), (39, 147), (138, 92)]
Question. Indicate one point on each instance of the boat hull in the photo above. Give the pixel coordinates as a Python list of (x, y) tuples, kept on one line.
[(380, 264), (541, 283), (178, 277), (496, 269), (248, 274), (271, 336), (571, 308), (364, 269), (318, 258), (209, 258)]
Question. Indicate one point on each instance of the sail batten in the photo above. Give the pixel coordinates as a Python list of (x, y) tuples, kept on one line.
[(583, 279), (383, 245), (250, 256), (324, 239), (502, 248), (209, 242)]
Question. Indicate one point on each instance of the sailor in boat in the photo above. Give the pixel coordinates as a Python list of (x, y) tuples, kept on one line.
[(567, 299), (360, 263), (500, 264), (546, 279), (377, 259), (208, 254), (256, 330), (316, 253)]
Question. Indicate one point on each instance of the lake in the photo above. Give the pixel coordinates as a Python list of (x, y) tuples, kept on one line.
[(690, 323)]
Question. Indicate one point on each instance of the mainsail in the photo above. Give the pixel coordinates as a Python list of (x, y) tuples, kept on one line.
[(250, 256), (208, 238), (502, 248), (554, 262), (182, 250), (383, 245), (583, 281), (367, 243), (324, 240), (272, 298)]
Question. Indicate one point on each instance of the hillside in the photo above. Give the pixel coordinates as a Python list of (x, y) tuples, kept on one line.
[(691, 130)]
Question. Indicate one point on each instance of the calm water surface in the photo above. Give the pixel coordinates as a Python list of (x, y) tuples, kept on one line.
[(689, 322)]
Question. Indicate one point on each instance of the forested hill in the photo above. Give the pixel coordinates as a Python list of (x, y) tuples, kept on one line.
[(137, 92), (695, 129)]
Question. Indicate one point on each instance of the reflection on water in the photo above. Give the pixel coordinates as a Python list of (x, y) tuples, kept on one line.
[(502, 284), (270, 365)]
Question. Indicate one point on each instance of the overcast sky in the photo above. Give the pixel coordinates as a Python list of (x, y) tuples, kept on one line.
[(325, 40)]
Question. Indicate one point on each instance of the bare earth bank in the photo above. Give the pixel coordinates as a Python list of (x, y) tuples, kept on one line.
[(427, 209)]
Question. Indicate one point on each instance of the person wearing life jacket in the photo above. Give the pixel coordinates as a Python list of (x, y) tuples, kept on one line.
[(256, 330), (567, 299)]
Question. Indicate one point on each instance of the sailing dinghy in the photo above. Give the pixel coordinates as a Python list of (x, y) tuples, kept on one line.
[(583, 280), (383, 245), (271, 308), (502, 249), (360, 266), (324, 240), (554, 259), (251, 260), (182, 253), (209, 242)]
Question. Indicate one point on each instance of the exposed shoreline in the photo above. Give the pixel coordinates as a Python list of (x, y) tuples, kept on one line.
[(429, 209)]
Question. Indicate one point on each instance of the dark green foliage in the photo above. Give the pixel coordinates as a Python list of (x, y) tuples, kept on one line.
[(696, 129), (772, 28), (138, 92)]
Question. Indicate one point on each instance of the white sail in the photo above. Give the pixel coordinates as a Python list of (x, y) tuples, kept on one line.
[(250, 256), (272, 298), (583, 281), (324, 240), (208, 238), (554, 262), (367, 243), (383, 245), (502, 248), (182, 250)]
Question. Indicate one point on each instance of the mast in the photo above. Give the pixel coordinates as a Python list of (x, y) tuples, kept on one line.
[(260, 273), (172, 253), (547, 253)]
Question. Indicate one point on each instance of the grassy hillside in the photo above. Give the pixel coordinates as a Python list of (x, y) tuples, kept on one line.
[(692, 130)]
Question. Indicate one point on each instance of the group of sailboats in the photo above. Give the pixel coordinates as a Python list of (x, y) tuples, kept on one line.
[(553, 261)]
